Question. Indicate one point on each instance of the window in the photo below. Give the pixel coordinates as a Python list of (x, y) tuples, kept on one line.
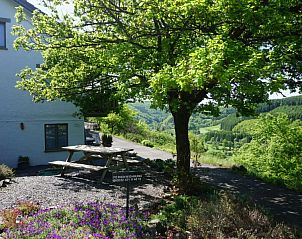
[(56, 136), (3, 22)]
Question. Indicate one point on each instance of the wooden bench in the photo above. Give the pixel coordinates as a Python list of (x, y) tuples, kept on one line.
[(95, 168), (77, 165)]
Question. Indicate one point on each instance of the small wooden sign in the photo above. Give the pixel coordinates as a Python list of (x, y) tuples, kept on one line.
[(127, 176)]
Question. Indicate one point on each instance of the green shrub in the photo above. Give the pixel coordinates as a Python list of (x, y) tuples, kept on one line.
[(160, 138), (5, 172), (134, 137), (217, 153), (147, 143), (275, 152)]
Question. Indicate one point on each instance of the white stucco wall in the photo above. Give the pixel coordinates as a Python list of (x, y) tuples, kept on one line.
[(16, 106)]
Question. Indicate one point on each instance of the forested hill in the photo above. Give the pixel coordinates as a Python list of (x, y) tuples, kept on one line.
[(161, 120), (292, 106), (151, 116), (273, 104)]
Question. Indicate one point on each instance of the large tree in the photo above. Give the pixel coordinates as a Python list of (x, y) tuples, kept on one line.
[(184, 55)]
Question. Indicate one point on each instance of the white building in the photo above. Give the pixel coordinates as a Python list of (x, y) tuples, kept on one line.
[(28, 129)]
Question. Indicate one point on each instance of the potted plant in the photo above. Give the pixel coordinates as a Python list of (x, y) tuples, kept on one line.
[(107, 140), (23, 161)]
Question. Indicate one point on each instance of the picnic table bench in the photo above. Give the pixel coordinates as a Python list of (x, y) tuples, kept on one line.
[(89, 152), (77, 165)]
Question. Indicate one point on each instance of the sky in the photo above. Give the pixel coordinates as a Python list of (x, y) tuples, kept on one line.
[(69, 8), (64, 9)]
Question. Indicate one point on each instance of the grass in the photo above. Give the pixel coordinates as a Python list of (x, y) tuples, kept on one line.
[(208, 129), (208, 158)]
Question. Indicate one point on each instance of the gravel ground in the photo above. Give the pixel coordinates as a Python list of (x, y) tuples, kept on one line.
[(50, 191)]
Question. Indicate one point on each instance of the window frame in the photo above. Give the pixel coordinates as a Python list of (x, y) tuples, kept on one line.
[(4, 21), (57, 146)]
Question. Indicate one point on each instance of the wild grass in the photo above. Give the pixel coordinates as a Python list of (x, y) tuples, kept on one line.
[(220, 216), (217, 160), (5, 172)]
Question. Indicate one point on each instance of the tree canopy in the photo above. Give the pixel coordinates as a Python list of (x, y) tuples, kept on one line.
[(184, 55)]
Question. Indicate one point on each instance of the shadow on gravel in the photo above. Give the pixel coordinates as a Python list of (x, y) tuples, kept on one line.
[(85, 181), (283, 204), (89, 182), (30, 171)]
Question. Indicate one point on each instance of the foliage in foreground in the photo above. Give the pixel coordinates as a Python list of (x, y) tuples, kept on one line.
[(91, 220), (5, 172), (275, 153), (220, 216)]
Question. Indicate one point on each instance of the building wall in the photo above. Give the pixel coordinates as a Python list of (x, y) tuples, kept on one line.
[(16, 106)]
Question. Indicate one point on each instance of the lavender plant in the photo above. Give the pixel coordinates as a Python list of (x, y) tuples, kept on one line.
[(90, 220)]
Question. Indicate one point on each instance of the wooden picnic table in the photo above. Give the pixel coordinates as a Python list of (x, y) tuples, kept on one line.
[(92, 152)]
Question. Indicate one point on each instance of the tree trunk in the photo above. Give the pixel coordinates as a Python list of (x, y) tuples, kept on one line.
[(181, 121)]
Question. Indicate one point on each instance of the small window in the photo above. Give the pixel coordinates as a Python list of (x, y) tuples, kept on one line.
[(2, 35), (3, 22), (56, 136)]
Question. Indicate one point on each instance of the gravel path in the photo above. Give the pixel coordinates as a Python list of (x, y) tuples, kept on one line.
[(142, 151)]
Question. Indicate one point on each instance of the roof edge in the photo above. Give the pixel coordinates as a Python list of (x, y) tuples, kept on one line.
[(28, 6)]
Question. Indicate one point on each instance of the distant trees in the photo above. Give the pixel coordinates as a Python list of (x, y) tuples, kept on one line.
[(293, 112), (219, 136), (273, 104), (231, 121), (292, 106)]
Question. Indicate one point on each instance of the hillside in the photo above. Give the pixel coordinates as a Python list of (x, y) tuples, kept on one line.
[(162, 120), (200, 123), (155, 119), (292, 106)]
